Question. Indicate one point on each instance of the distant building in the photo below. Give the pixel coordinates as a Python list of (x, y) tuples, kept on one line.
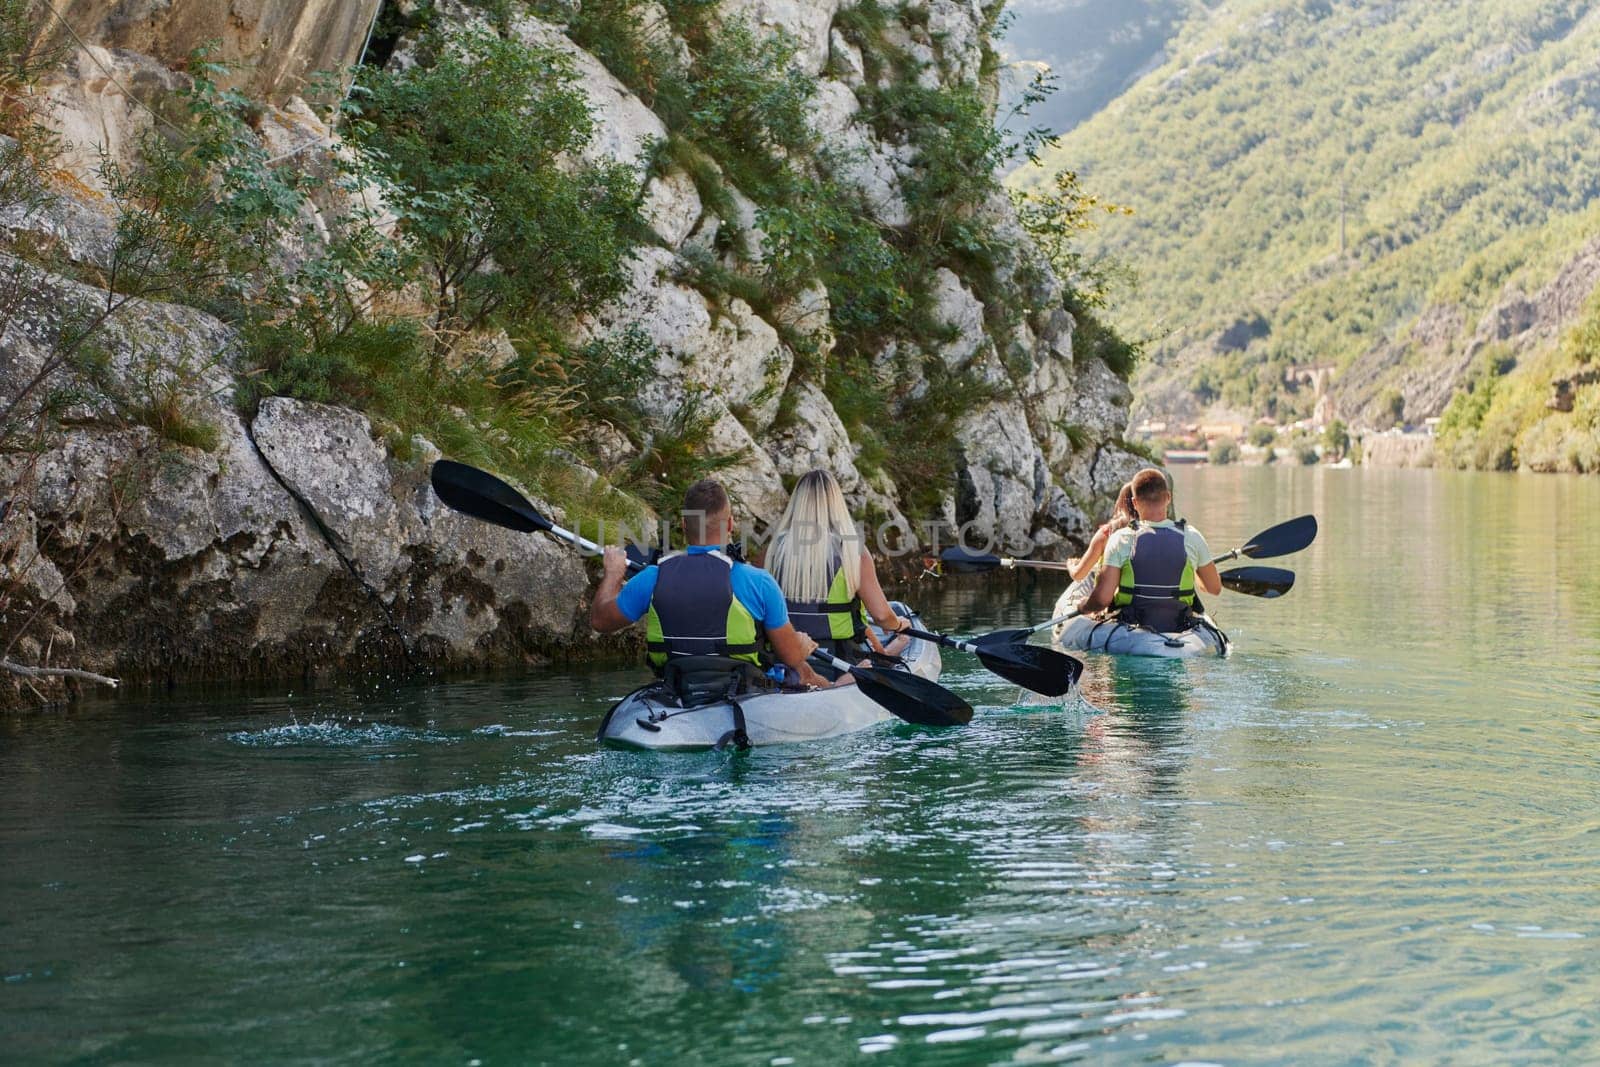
[(1215, 430)]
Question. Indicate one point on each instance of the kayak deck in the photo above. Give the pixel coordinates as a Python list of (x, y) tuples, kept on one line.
[(1088, 634), (650, 718)]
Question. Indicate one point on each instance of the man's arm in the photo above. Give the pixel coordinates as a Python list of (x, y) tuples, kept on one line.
[(604, 615), (1105, 590), (792, 647), (1205, 571)]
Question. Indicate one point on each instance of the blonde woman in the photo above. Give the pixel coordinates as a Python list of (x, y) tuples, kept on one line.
[(821, 563)]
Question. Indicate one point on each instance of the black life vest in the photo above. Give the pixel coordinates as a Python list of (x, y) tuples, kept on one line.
[(838, 623), (693, 612), (1157, 586)]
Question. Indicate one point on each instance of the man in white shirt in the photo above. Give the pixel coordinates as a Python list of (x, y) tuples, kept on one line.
[(1153, 566)]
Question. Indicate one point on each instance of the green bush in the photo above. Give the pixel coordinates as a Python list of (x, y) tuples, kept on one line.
[(516, 421), (1262, 436), (1336, 438), (477, 147), (1224, 450), (203, 213)]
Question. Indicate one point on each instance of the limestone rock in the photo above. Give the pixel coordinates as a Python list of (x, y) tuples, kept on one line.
[(957, 310), (671, 206), (998, 493), (957, 28), (90, 107), (752, 482), (327, 458), (71, 221), (856, 158), (807, 21), (813, 436), (624, 128), (274, 47), (733, 352), (847, 62)]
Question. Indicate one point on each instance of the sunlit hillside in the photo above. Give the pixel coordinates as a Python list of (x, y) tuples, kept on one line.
[(1308, 177)]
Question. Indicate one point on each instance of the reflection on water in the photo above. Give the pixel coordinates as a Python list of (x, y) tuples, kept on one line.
[(1368, 835)]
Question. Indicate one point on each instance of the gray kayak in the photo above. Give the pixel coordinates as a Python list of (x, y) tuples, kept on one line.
[(651, 718), (1088, 634)]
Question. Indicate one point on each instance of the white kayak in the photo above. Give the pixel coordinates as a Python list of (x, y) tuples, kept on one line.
[(1089, 634), (652, 718)]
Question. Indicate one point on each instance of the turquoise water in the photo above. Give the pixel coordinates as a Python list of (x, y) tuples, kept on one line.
[(1371, 835)]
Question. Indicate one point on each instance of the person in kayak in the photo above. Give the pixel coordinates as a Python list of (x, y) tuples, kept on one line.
[(1122, 514), (1153, 565), (829, 582), (700, 602)]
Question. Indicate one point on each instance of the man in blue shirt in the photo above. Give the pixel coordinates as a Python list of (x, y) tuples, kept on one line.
[(700, 602)]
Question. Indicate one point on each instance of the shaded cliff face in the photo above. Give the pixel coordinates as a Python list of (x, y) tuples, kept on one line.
[(292, 537)]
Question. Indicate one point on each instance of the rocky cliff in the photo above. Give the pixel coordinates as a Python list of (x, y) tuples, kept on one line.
[(165, 521)]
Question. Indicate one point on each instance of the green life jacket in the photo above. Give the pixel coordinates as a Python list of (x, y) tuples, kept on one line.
[(1157, 586), (693, 612), (839, 620)]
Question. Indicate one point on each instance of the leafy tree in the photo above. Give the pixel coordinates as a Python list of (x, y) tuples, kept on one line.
[(1336, 437), (1262, 436), (479, 145), (1224, 450)]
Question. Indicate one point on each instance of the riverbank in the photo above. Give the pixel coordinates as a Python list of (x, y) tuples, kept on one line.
[(240, 322)]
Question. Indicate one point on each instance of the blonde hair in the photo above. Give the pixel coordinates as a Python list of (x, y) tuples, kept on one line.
[(815, 529)]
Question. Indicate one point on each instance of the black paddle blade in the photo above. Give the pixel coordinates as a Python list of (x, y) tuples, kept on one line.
[(1268, 582), (1003, 637), (913, 698), (1282, 539), (1034, 667), (483, 496), (962, 561)]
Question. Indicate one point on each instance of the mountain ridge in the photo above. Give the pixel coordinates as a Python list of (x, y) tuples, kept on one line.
[(1341, 171)]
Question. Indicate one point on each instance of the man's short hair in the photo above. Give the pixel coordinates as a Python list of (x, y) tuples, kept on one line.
[(1150, 485), (703, 499)]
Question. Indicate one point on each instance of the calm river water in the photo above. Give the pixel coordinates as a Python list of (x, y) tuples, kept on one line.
[(1371, 835)]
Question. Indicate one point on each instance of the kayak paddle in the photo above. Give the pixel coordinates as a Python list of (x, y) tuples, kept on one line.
[(1280, 540), (483, 496), (1267, 582), (1041, 670)]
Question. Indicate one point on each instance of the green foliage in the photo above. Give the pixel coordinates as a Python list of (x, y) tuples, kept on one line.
[(203, 213), (1503, 418), (1307, 455), (1452, 137), (1057, 215), (1262, 436), (1224, 450), (911, 438), (1391, 409), (746, 104), (514, 421), (1149, 451), (476, 146), (1336, 438), (677, 454)]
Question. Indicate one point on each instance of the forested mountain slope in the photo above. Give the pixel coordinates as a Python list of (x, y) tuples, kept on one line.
[(1361, 183)]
